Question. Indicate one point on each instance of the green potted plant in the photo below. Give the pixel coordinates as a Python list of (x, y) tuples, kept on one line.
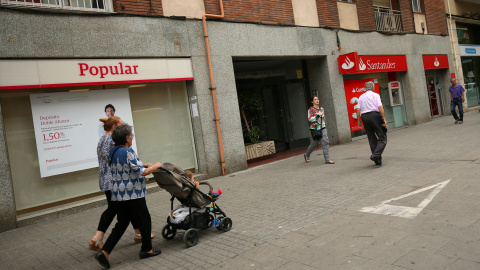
[(249, 101)]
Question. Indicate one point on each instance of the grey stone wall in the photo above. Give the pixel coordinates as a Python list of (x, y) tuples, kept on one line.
[(8, 214), (332, 100)]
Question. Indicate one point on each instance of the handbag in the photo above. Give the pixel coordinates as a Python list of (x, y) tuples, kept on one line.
[(317, 133)]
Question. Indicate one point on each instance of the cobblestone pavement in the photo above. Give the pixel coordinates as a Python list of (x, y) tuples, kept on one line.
[(293, 215)]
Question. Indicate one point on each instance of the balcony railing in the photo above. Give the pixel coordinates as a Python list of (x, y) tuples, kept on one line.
[(388, 19), (75, 5)]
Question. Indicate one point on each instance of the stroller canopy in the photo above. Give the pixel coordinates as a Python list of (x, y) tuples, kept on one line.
[(173, 179)]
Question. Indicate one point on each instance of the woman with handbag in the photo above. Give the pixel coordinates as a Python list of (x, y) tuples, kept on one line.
[(318, 131)]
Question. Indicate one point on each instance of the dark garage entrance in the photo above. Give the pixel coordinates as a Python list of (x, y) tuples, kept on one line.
[(282, 89)]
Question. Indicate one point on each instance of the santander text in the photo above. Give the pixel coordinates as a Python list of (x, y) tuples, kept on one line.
[(380, 65)]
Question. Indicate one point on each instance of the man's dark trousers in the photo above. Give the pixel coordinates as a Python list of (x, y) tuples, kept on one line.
[(457, 102), (377, 137)]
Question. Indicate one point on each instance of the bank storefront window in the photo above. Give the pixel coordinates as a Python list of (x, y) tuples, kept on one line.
[(471, 74), (163, 132), (396, 115)]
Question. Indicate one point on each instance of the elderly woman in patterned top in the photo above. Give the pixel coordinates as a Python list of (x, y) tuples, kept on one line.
[(128, 194), (105, 181)]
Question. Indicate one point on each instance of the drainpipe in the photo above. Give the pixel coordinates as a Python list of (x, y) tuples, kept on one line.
[(452, 39), (212, 82)]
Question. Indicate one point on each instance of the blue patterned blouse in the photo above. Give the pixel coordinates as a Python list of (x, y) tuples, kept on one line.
[(127, 169)]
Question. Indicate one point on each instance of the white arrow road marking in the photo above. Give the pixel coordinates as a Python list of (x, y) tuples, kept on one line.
[(405, 211)]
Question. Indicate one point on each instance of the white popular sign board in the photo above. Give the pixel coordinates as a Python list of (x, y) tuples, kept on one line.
[(66, 127), (24, 74)]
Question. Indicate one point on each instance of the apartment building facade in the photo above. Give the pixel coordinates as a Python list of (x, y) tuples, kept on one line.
[(178, 80), (463, 20)]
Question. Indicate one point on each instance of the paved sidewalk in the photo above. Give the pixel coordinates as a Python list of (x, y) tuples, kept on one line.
[(294, 215)]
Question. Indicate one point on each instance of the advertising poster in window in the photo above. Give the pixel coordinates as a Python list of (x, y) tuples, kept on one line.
[(67, 127), (353, 90)]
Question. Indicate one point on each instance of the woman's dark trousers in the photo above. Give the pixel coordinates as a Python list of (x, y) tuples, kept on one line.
[(127, 211)]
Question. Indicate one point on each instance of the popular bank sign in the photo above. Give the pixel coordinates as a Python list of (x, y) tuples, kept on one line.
[(352, 63), (21, 74)]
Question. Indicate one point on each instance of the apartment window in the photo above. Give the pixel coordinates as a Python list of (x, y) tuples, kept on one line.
[(416, 6), (349, 1), (382, 3), (77, 5), (465, 35)]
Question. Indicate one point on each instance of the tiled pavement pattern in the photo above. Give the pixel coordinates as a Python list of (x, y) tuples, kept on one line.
[(294, 215)]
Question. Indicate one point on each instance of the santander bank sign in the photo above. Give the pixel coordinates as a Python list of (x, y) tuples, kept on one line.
[(352, 63)]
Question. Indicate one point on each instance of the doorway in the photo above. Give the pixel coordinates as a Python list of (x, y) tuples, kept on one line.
[(281, 87), (283, 117), (434, 88)]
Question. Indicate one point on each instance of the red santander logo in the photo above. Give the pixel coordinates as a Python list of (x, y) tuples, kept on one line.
[(348, 63), (437, 61)]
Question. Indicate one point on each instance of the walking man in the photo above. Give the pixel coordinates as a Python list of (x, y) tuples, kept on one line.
[(373, 117), (457, 97)]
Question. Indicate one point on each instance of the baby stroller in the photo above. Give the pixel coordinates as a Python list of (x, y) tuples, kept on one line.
[(197, 210)]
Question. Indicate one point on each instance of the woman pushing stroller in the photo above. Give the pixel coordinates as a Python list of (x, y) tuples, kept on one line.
[(128, 194), (105, 181)]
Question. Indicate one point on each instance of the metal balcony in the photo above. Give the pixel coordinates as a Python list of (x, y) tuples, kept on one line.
[(76, 5), (388, 19)]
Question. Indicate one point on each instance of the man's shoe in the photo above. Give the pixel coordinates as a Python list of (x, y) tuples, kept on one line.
[(377, 160), (102, 260), (460, 122), (144, 254), (456, 121)]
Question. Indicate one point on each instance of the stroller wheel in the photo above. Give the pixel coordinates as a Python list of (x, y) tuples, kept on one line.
[(225, 224), (191, 237), (169, 232)]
